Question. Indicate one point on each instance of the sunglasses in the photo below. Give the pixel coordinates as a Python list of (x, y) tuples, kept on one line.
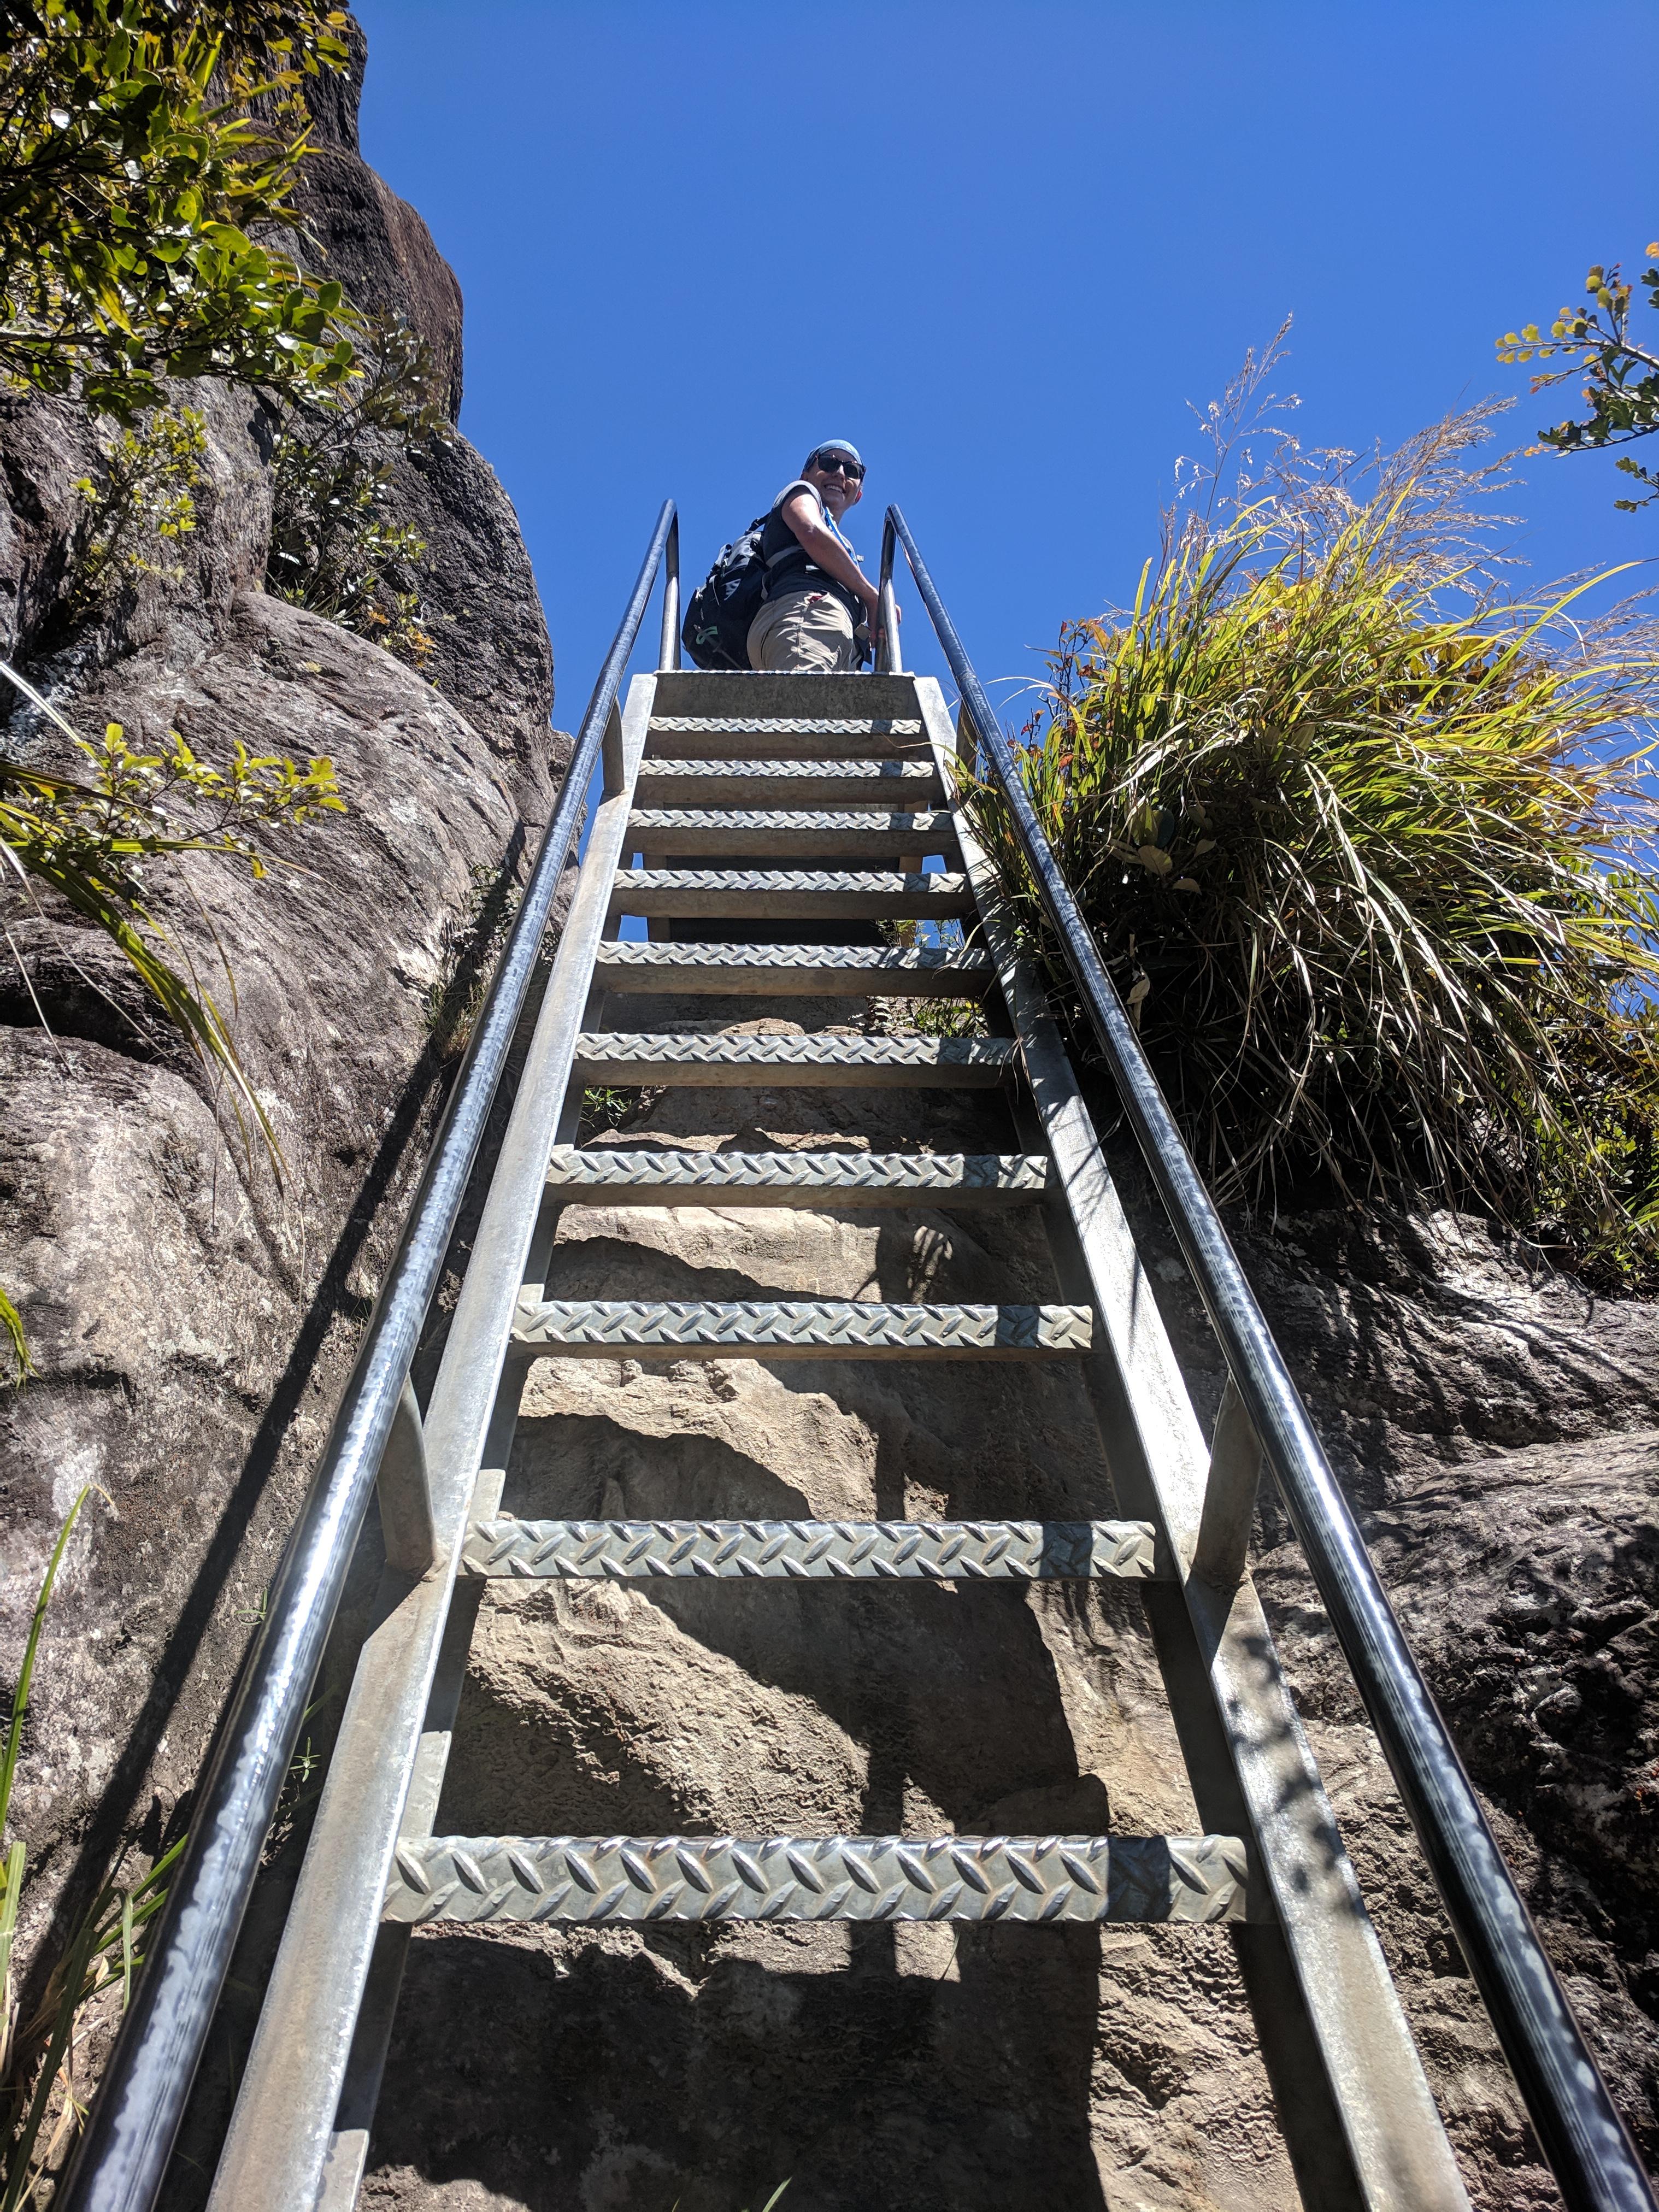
[(830, 462)]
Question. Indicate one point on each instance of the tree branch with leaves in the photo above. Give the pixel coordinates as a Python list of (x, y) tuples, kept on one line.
[(133, 170), (1622, 375)]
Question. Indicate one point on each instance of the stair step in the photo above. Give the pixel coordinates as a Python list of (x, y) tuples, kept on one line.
[(622, 1878), (590, 1328), (800, 1179), (779, 737), (930, 971), (776, 834), (815, 1551), (786, 782), (791, 895), (893, 1062)]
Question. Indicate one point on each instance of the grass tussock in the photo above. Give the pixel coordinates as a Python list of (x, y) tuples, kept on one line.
[(1367, 845)]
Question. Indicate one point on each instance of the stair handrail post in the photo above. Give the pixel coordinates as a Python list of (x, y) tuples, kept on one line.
[(888, 662), (1590, 2152), (668, 650), (122, 2158)]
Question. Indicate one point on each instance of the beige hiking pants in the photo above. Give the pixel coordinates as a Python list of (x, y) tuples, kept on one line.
[(808, 630)]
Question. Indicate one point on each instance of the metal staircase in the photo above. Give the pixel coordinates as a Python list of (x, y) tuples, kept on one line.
[(754, 803)]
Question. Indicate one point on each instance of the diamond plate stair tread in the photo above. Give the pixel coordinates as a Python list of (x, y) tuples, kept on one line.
[(814, 1550), (792, 894), (800, 1179), (785, 833), (775, 970), (585, 1329), (789, 725), (695, 737), (786, 783), (620, 1878), (766, 742), (956, 1063), (880, 733)]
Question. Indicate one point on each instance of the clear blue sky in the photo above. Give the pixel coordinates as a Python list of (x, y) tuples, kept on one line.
[(1000, 246)]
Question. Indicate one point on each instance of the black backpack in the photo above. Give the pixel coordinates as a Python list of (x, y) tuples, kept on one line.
[(715, 631)]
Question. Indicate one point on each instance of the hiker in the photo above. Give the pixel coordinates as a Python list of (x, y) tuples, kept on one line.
[(820, 610)]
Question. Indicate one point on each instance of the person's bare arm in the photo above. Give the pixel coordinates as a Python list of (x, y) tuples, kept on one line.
[(823, 547)]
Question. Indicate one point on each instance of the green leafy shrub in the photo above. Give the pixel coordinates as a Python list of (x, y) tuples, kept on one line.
[(935, 1018), (145, 503), (132, 169), (333, 546), (946, 1017), (1366, 848)]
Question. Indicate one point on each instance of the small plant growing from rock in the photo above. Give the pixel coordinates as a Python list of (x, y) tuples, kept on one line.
[(335, 547), (469, 944), (145, 504), (605, 1107), (90, 841)]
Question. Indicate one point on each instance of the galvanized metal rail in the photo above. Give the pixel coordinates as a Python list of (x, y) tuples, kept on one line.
[(713, 769)]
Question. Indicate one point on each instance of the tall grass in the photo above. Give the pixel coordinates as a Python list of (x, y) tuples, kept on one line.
[(1366, 845)]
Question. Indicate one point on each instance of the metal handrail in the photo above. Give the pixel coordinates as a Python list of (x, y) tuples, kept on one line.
[(668, 648), (1582, 2135), (888, 662), (123, 2153)]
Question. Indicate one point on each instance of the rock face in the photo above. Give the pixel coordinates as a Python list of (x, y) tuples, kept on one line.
[(1497, 1429), (190, 1316)]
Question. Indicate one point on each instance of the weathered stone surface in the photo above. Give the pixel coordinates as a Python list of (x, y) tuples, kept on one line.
[(46, 446), (188, 1315), (482, 611), (484, 615), (1498, 1429)]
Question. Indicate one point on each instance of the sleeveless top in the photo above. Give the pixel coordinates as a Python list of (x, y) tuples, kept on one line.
[(788, 568)]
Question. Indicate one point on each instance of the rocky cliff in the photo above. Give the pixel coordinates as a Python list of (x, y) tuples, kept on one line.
[(192, 1316)]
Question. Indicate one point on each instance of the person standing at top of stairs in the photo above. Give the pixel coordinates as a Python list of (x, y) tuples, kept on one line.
[(820, 610)]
